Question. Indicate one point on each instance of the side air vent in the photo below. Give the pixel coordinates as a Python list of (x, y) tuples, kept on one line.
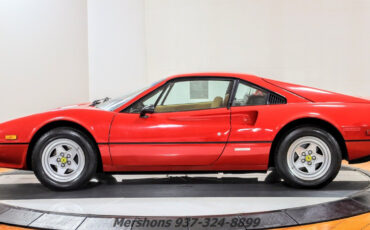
[(276, 99)]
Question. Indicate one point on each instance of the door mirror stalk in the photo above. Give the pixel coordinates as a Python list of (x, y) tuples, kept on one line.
[(147, 109)]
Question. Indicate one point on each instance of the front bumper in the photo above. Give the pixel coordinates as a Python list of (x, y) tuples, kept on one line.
[(13, 155), (358, 151)]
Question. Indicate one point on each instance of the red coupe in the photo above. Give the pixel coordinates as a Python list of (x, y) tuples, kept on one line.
[(218, 122)]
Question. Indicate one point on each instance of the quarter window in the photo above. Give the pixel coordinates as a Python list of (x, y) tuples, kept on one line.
[(249, 95)]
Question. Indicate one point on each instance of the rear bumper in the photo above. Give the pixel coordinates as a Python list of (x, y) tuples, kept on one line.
[(13, 155), (360, 160), (358, 151)]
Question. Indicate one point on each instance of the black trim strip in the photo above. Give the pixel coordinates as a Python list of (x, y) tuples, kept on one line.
[(357, 140), (177, 143), (15, 143), (287, 90), (165, 96), (248, 142)]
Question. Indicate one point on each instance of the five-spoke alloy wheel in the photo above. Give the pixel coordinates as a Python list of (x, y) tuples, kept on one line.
[(308, 157), (64, 159)]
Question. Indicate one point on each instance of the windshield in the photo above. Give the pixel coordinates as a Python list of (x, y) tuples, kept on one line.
[(115, 103)]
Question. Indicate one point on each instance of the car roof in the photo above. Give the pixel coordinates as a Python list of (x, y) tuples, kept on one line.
[(247, 77), (305, 92)]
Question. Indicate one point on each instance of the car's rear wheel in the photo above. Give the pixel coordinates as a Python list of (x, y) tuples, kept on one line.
[(64, 159), (308, 157)]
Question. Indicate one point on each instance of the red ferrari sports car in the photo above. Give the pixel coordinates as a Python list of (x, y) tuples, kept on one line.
[(218, 122)]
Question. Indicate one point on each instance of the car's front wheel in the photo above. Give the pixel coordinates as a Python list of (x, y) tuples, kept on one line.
[(308, 157), (64, 159)]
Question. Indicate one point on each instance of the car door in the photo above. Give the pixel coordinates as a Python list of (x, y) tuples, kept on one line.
[(249, 142), (190, 125)]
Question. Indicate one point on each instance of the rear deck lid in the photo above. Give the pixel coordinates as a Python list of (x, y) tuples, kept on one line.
[(316, 95)]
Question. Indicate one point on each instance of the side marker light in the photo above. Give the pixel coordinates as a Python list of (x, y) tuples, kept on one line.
[(10, 137)]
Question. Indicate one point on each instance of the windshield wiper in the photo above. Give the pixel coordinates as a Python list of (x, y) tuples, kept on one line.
[(96, 102)]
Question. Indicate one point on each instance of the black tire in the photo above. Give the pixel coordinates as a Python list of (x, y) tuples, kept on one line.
[(281, 156), (89, 151)]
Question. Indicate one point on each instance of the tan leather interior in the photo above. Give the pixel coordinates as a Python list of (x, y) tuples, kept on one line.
[(216, 103)]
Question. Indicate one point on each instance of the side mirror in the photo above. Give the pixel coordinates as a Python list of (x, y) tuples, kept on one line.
[(145, 110)]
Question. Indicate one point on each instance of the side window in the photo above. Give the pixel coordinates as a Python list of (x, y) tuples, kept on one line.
[(249, 95), (149, 99), (194, 95)]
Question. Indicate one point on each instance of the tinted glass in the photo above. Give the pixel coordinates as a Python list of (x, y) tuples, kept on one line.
[(195, 95), (149, 99), (249, 95)]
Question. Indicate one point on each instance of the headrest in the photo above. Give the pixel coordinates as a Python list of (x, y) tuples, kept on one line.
[(217, 102)]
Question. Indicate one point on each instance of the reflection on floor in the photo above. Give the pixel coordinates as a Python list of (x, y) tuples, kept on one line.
[(360, 222), (4, 170), (365, 166), (7, 227)]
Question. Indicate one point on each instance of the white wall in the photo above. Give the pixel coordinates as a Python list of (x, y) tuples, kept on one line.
[(43, 55), (321, 43), (117, 62), (59, 52)]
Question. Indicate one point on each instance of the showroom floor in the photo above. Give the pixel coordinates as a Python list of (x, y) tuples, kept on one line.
[(182, 196), (153, 195)]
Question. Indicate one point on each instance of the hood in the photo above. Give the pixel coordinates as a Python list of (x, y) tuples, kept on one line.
[(75, 106), (316, 95)]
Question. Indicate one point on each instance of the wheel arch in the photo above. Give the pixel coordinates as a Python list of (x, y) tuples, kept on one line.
[(61, 123), (307, 122)]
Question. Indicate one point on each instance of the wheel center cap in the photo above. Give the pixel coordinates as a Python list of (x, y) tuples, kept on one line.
[(308, 158), (63, 160)]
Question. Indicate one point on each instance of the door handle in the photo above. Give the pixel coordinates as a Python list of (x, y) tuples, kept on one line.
[(248, 118)]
